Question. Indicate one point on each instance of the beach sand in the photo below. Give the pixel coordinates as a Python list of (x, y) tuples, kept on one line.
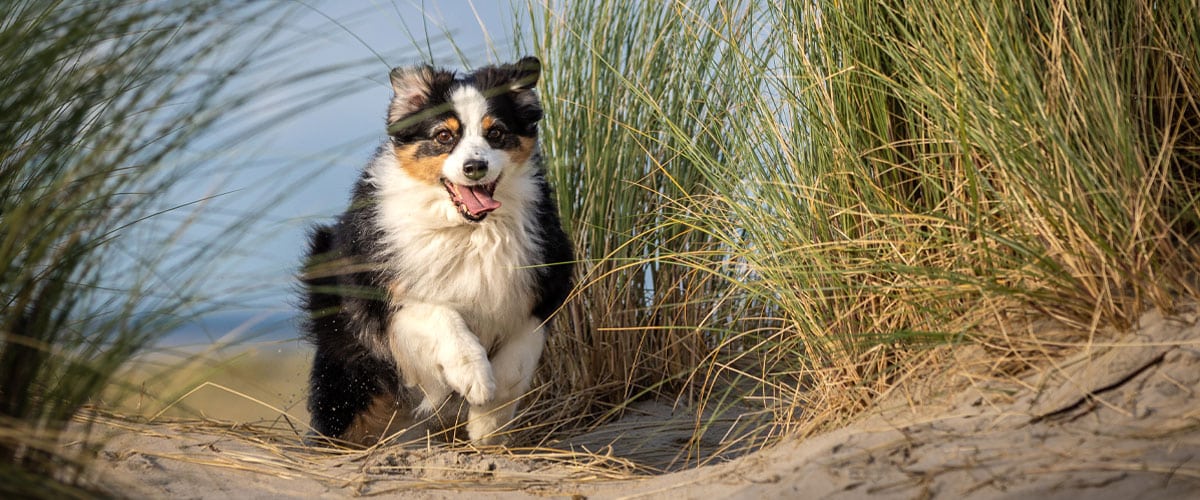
[(1117, 419)]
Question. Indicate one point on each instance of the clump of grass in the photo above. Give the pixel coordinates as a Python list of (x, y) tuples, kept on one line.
[(100, 101), (637, 325), (807, 194)]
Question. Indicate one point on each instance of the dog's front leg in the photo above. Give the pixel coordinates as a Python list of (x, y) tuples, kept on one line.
[(435, 351), (513, 365)]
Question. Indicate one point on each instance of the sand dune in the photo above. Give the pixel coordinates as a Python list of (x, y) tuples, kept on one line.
[(1118, 419)]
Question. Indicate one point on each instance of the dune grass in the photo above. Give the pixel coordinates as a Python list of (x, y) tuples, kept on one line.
[(783, 204), (101, 104)]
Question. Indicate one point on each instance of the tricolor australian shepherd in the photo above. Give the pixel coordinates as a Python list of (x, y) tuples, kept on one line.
[(433, 288)]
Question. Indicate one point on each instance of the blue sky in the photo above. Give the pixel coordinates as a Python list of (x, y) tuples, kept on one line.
[(299, 170)]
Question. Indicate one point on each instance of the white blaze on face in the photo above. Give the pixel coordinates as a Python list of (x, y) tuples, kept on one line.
[(471, 107)]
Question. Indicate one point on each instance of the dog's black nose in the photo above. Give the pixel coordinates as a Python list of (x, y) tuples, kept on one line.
[(475, 169)]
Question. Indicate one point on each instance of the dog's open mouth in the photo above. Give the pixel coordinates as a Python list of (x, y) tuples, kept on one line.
[(473, 202)]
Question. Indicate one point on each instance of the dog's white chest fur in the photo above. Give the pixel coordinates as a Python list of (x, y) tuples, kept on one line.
[(482, 270)]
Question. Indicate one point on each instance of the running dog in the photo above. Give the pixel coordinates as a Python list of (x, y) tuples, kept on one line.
[(434, 287)]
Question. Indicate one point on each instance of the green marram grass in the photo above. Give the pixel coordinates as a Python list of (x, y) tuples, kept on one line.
[(787, 202), (101, 103)]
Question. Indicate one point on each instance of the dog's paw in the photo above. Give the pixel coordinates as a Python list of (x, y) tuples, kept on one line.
[(487, 437), (485, 424), (472, 378)]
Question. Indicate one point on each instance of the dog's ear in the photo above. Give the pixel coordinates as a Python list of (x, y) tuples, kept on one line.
[(411, 87), (520, 78), (525, 74)]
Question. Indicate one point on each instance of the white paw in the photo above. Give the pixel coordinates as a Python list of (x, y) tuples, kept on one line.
[(488, 437), (471, 377), (485, 423)]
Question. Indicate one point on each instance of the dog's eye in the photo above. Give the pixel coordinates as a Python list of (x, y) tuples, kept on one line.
[(494, 134), (444, 137)]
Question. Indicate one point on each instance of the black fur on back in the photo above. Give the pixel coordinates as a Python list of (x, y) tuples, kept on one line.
[(555, 280)]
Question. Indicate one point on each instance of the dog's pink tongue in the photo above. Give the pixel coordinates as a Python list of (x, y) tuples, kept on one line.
[(476, 199)]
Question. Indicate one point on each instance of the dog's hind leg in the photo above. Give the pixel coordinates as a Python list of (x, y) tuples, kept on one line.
[(342, 395), (513, 366), (436, 352)]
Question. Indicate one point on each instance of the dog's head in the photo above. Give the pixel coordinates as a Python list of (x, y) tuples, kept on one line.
[(465, 133)]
